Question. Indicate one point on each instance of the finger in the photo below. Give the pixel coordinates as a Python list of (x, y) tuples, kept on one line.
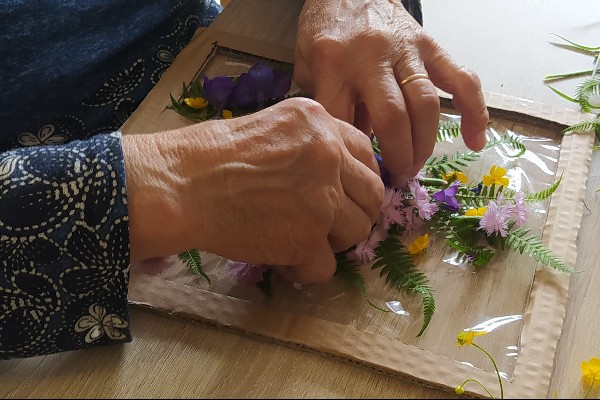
[(464, 86), (362, 122), (363, 187), (351, 226), (423, 106), (319, 269), (359, 145), (391, 123), (335, 97)]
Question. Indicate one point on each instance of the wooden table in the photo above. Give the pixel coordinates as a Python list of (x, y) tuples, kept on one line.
[(507, 43)]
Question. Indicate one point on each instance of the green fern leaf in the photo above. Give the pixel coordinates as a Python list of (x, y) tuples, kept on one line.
[(192, 259), (585, 89), (534, 197), (530, 244), (448, 130), (592, 125), (439, 167), (349, 270), (400, 272), (513, 142), (478, 255)]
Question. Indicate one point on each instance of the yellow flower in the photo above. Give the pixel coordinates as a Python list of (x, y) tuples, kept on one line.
[(591, 369), (466, 337), (227, 114), (497, 176), (418, 245), (196, 102), (476, 212), (459, 390), (454, 176)]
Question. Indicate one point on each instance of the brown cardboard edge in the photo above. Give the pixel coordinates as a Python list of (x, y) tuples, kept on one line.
[(545, 308)]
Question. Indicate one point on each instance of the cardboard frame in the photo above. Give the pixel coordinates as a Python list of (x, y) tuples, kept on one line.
[(545, 308)]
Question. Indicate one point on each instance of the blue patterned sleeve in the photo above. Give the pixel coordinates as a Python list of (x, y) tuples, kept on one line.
[(64, 247)]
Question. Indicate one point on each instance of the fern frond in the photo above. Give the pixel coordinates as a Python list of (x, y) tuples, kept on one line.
[(467, 252), (534, 197), (400, 272), (192, 259), (448, 130), (530, 244), (512, 142), (584, 90), (439, 167), (349, 270), (592, 125)]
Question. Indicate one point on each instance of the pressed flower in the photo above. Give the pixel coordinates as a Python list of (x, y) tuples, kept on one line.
[(196, 103), (466, 337), (385, 174), (447, 196), (365, 251), (245, 273), (496, 176), (421, 200), (591, 370), (476, 212), (218, 90), (391, 212), (418, 245), (518, 211), (227, 114), (455, 176), (495, 219), (260, 83), (459, 390)]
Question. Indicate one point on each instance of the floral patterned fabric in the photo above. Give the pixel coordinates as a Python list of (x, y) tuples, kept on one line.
[(74, 72)]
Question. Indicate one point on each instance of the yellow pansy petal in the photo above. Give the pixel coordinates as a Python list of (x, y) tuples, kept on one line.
[(227, 114), (461, 177), (503, 181), (487, 180), (196, 102), (497, 171), (471, 212)]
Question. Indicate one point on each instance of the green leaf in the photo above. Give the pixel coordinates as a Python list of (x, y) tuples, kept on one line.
[(535, 196), (348, 269), (530, 244), (586, 89), (439, 167), (448, 130), (567, 75), (579, 46), (192, 259), (513, 142), (400, 272), (464, 242), (563, 95)]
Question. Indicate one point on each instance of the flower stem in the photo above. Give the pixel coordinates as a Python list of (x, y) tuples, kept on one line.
[(590, 388), (480, 384), (495, 367)]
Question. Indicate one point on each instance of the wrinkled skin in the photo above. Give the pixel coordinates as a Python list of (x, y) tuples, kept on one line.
[(351, 54), (289, 185)]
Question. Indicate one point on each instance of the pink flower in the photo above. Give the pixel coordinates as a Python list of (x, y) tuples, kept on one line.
[(365, 251), (244, 273), (422, 202), (518, 211), (495, 218), (390, 211)]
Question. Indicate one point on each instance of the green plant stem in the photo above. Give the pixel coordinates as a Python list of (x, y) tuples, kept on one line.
[(480, 384), (495, 367), (590, 388), (567, 75)]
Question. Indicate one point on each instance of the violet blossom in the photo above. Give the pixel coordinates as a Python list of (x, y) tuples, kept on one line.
[(447, 196), (260, 83), (218, 91)]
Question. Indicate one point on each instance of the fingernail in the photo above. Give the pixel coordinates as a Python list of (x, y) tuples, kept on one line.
[(399, 181)]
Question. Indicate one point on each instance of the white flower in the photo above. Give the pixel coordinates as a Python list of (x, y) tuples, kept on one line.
[(98, 323)]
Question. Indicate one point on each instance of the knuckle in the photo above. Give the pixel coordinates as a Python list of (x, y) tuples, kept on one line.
[(324, 49)]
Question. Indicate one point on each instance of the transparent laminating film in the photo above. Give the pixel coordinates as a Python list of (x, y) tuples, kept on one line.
[(492, 297)]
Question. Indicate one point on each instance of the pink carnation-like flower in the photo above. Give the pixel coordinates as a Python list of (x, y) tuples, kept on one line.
[(518, 211), (495, 219), (365, 251), (245, 273), (390, 211), (422, 202)]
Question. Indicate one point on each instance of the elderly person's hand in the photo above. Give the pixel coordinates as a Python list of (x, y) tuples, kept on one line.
[(360, 59), (288, 186)]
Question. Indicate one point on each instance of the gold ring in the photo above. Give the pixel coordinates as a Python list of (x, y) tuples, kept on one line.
[(412, 78)]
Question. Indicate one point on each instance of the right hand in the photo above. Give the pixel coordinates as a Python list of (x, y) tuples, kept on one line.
[(288, 186)]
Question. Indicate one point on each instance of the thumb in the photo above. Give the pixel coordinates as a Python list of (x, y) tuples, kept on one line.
[(319, 269)]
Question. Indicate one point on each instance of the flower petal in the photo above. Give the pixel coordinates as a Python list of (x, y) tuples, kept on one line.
[(86, 322)]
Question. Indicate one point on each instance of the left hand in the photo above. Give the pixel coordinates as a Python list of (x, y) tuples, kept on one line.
[(353, 54)]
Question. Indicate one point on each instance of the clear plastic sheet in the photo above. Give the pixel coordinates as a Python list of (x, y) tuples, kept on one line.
[(491, 298)]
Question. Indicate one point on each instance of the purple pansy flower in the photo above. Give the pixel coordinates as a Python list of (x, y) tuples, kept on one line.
[(447, 196), (260, 83), (218, 90), (385, 174)]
